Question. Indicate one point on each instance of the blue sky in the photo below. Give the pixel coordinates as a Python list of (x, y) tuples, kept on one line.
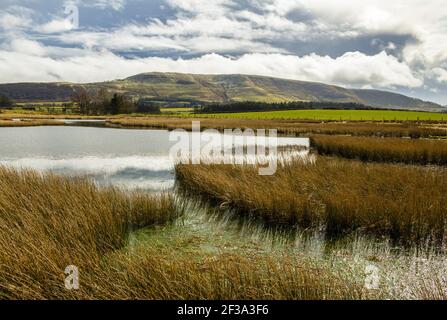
[(398, 45)]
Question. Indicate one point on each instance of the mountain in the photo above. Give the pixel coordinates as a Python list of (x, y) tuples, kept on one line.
[(189, 89)]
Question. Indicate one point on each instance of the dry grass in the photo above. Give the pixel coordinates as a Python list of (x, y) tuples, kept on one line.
[(48, 222), (35, 115), (289, 127), (155, 274), (407, 204), (29, 123), (424, 152)]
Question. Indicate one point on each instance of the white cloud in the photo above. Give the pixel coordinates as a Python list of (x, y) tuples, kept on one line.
[(425, 20), (103, 4), (15, 17), (55, 26), (440, 75), (350, 69), (135, 39), (210, 8), (10, 21), (114, 4), (28, 47)]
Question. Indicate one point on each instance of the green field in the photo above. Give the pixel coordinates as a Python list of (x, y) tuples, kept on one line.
[(344, 115), (177, 110), (334, 115)]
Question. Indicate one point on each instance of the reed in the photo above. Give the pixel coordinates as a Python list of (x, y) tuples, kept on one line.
[(165, 274), (288, 127), (29, 123), (406, 204), (425, 152), (48, 222)]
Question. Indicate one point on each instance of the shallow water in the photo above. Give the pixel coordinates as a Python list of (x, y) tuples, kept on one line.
[(127, 158)]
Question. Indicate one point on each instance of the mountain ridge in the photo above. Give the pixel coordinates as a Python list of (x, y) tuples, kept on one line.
[(190, 89)]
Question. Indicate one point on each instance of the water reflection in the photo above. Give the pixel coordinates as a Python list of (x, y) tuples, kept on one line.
[(128, 158)]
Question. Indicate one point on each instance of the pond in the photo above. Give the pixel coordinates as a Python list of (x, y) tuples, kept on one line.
[(126, 158)]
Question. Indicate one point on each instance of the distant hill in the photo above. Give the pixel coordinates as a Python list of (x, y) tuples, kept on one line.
[(189, 89)]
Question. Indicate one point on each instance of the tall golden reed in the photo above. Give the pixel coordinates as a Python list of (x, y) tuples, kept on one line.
[(423, 152), (405, 203), (48, 222)]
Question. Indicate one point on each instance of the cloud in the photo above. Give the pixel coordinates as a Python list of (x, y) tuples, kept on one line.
[(440, 75), (352, 69), (116, 5), (198, 7), (389, 44), (135, 39), (28, 47), (15, 17), (55, 26)]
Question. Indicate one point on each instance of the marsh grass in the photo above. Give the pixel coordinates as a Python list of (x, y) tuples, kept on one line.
[(405, 203), (30, 123), (165, 274), (425, 152), (288, 127), (48, 222)]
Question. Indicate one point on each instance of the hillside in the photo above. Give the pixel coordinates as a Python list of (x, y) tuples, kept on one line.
[(178, 89)]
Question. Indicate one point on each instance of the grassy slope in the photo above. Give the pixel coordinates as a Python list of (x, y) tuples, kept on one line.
[(176, 87), (225, 88)]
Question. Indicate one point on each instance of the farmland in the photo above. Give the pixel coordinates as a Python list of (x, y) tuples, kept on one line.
[(336, 115)]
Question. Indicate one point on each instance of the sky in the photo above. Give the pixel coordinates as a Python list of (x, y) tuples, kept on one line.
[(398, 45)]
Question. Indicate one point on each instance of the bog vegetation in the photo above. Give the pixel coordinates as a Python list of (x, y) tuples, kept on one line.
[(406, 204), (29, 123), (48, 222), (423, 152), (288, 127)]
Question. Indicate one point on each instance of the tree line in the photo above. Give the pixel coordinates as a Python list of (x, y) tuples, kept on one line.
[(249, 106), (103, 102), (5, 102)]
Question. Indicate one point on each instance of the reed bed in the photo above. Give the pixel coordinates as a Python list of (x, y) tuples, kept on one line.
[(48, 222), (424, 152), (406, 204), (167, 274), (36, 115), (288, 127), (29, 123)]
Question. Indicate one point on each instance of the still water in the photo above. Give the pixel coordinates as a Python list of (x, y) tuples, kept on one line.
[(126, 158)]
